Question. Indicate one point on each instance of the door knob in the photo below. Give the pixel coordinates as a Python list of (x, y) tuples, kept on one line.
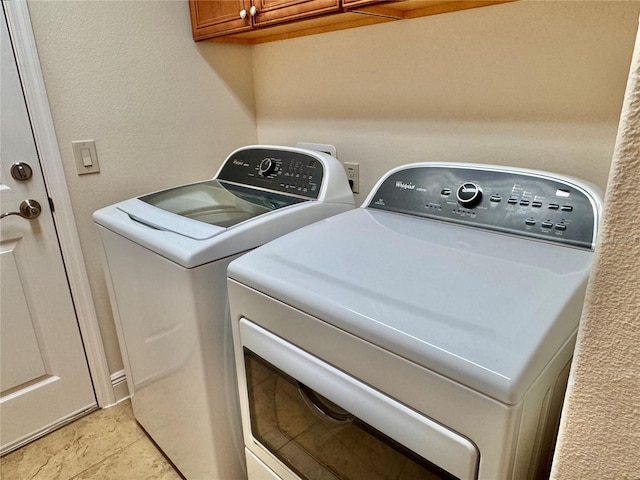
[(243, 13), (21, 171), (253, 10), (29, 209)]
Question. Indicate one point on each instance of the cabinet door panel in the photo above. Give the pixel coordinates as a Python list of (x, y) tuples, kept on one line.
[(220, 20), (275, 11), (211, 18), (358, 3)]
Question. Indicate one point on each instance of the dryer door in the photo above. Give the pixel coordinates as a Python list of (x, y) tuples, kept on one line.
[(323, 423)]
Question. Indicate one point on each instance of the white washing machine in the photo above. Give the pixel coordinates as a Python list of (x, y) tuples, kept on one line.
[(427, 334), (165, 260)]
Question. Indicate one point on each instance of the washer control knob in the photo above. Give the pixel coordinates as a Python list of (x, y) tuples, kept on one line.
[(469, 194), (267, 166)]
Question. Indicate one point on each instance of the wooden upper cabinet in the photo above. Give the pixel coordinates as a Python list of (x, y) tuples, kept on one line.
[(211, 18), (405, 9), (276, 11), (357, 3), (258, 21), (214, 18)]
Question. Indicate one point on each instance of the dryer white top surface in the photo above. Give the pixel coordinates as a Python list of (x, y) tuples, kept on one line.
[(485, 309)]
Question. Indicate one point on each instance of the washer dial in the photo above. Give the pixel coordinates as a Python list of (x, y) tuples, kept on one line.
[(469, 194), (267, 166)]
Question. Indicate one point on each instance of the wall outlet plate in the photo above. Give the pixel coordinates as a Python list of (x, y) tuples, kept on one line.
[(353, 175)]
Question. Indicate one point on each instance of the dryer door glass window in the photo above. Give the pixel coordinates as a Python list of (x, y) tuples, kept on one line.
[(319, 440), (217, 204)]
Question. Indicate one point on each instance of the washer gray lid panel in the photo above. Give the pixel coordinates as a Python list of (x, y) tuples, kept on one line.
[(485, 309)]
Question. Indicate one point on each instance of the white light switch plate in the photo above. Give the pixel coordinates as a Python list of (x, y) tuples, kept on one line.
[(84, 152)]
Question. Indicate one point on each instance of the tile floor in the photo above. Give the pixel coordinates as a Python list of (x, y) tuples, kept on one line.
[(105, 445)]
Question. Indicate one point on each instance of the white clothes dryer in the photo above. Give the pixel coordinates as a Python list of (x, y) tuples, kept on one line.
[(427, 334), (165, 260)]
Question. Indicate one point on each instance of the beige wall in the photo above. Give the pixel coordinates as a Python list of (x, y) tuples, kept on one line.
[(161, 109), (600, 431), (533, 84)]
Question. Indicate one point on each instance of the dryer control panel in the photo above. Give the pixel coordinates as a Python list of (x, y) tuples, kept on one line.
[(515, 201), (282, 171)]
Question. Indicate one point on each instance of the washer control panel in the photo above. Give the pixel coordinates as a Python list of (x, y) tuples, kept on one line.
[(527, 203), (278, 170)]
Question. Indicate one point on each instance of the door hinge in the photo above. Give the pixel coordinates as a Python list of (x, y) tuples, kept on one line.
[(51, 204)]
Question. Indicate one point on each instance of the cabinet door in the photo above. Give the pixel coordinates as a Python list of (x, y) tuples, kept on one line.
[(212, 18), (390, 9), (276, 11), (358, 3)]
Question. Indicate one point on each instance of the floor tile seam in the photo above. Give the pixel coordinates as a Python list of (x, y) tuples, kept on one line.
[(127, 409), (104, 459), (34, 475), (77, 431)]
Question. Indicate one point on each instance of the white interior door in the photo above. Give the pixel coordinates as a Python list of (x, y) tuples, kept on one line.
[(44, 377)]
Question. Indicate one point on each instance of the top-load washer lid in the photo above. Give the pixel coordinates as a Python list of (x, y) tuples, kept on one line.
[(204, 209), (260, 192), (484, 308), (252, 181)]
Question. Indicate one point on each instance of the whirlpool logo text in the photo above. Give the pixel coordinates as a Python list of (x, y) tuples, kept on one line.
[(404, 185)]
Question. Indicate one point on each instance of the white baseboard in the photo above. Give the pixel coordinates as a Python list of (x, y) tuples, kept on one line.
[(119, 383)]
